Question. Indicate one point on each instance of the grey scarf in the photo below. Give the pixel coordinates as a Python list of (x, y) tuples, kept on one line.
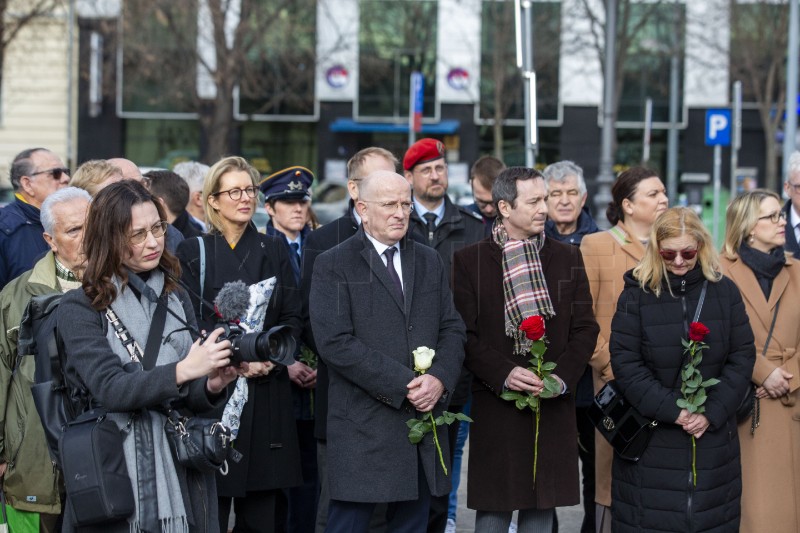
[(136, 314)]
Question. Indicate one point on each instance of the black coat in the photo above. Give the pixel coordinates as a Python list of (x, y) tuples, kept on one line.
[(459, 227), (318, 241), (791, 241), (657, 493), (267, 435)]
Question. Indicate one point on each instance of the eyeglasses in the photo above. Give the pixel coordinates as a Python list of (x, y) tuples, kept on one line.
[(407, 207), (236, 194), (158, 230), (670, 255), (427, 171), (775, 217), (56, 172), (795, 187)]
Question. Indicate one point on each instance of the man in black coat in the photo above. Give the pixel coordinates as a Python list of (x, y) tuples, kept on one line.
[(447, 228), (328, 236), (375, 299), (792, 208)]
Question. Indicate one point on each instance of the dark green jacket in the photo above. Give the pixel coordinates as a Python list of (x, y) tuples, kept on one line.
[(31, 480)]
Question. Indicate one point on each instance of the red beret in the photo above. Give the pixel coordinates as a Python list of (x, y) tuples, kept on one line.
[(422, 151)]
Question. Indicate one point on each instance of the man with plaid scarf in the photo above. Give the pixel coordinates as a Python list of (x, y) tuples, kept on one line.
[(498, 283)]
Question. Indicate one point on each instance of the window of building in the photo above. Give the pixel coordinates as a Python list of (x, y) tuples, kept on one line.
[(651, 30), (396, 37), (501, 92), (278, 76), (758, 50)]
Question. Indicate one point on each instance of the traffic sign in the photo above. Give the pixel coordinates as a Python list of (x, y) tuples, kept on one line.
[(718, 127)]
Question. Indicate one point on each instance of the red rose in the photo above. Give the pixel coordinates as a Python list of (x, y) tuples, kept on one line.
[(533, 326), (697, 331)]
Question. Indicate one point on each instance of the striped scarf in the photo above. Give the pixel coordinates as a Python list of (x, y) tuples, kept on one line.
[(524, 287)]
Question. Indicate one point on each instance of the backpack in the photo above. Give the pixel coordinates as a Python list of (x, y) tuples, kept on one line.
[(56, 401)]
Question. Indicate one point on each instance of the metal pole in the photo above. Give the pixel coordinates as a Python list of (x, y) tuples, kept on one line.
[(791, 88), (606, 175), (529, 79), (412, 135), (737, 134), (71, 21), (674, 91), (648, 128), (717, 178)]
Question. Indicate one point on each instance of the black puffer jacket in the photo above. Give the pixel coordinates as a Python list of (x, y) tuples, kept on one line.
[(657, 493)]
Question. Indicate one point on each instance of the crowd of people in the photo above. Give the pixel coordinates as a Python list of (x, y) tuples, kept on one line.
[(325, 442)]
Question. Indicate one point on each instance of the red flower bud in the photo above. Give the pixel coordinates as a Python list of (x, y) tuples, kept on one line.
[(697, 331), (533, 326)]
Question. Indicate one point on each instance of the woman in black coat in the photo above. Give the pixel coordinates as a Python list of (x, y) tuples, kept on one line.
[(660, 299), (235, 251)]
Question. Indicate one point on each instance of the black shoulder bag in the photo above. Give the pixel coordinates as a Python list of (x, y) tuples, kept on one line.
[(750, 404), (619, 422)]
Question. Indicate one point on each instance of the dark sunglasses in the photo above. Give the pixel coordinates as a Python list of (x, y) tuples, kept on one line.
[(670, 255), (56, 172)]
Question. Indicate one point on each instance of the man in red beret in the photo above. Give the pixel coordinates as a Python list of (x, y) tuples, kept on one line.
[(447, 228)]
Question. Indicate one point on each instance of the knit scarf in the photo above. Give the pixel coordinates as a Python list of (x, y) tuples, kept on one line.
[(765, 266), (524, 288), (136, 313)]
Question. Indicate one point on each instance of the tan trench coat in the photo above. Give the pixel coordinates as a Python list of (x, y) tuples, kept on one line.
[(607, 256), (771, 457)]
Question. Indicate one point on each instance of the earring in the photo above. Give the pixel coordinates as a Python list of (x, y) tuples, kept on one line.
[(751, 239)]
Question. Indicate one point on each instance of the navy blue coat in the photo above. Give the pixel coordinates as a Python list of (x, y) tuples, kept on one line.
[(21, 240)]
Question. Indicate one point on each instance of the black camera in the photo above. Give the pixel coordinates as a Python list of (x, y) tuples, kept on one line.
[(276, 345)]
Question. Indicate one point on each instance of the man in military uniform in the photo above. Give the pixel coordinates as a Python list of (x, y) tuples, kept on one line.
[(447, 228)]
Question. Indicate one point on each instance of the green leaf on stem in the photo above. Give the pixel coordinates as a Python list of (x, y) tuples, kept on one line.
[(710, 382), (538, 348), (462, 417), (549, 366), (682, 403)]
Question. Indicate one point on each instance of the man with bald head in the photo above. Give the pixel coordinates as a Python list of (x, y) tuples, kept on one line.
[(363, 163), (376, 298), (35, 174)]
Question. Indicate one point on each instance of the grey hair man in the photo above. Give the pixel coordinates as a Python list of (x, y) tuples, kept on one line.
[(792, 189), (31, 484), (194, 174), (568, 218), (35, 174)]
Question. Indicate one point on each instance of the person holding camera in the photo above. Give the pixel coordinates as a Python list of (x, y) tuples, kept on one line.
[(124, 242), (259, 409)]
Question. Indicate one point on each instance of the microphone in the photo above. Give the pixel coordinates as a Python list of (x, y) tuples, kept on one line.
[(232, 301)]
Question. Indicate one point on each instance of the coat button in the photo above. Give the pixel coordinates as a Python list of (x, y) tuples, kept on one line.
[(410, 327)]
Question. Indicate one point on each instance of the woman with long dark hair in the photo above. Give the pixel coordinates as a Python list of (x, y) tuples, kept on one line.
[(124, 241)]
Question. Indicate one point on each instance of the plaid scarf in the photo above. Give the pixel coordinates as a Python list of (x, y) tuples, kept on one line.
[(524, 287)]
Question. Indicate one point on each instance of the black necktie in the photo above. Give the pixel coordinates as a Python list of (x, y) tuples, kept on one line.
[(430, 219), (389, 253), (294, 259)]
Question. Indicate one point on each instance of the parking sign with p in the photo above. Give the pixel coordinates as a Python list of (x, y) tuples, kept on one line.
[(718, 127)]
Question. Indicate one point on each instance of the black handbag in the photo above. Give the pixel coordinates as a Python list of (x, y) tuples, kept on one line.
[(750, 406), (198, 443), (95, 473), (619, 422)]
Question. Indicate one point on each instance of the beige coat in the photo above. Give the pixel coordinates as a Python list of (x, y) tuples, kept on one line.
[(607, 256), (771, 457)]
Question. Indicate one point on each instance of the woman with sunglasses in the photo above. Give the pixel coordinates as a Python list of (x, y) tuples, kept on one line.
[(677, 283), (769, 279), (124, 243), (638, 197), (260, 409)]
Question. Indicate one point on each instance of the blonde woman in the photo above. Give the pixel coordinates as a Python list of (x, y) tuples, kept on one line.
[(95, 175), (754, 258), (679, 275), (638, 197)]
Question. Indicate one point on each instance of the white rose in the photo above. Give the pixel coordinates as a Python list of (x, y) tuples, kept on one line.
[(423, 357)]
